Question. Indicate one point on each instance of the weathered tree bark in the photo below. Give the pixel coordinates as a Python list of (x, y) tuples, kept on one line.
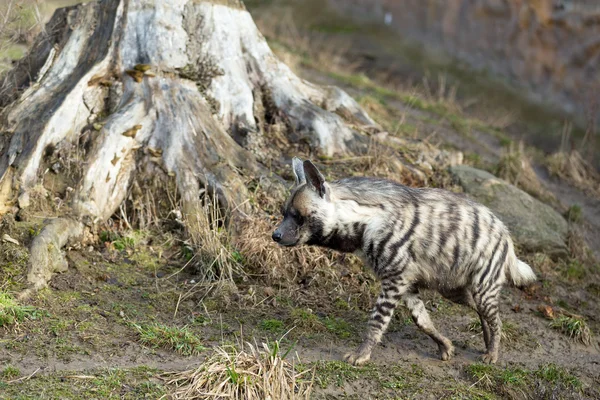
[(183, 87)]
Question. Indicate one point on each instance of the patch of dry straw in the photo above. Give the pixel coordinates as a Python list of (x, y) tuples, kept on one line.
[(254, 373), (265, 258), (515, 167), (573, 168)]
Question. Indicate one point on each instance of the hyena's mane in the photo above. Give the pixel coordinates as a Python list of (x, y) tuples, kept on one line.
[(374, 192)]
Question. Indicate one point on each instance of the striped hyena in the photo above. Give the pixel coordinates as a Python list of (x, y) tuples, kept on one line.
[(412, 238)]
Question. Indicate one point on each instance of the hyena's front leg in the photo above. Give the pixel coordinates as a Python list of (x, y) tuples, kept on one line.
[(391, 293)]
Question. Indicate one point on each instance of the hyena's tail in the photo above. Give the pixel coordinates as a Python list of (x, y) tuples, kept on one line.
[(519, 273)]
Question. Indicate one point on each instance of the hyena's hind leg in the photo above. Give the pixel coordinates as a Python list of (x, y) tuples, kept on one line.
[(391, 293), (423, 321), (465, 297), (486, 303)]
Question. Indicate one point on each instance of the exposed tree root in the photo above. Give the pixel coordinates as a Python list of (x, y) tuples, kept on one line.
[(189, 87), (45, 257)]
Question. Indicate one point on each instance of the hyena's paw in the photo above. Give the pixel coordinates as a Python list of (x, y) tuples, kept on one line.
[(446, 350), (361, 355), (489, 358), (357, 358)]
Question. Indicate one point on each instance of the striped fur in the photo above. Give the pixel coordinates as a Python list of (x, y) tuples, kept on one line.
[(413, 239)]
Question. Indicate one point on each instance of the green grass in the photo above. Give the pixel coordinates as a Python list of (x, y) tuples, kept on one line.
[(308, 322), (510, 332), (394, 379), (338, 372), (339, 327), (552, 373), (575, 328), (117, 241), (271, 325), (574, 270), (574, 213), (180, 340), (9, 372), (12, 313), (305, 319), (136, 383), (521, 380)]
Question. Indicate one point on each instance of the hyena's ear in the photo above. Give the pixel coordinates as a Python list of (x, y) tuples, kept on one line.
[(315, 179), (298, 171)]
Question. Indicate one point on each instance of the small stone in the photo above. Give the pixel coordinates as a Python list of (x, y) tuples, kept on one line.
[(23, 200), (121, 314), (7, 238), (56, 167)]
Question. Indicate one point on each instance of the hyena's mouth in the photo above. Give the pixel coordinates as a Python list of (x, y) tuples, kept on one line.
[(288, 244)]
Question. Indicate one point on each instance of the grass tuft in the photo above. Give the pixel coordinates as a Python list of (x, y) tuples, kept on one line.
[(511, 333), (10, 372), (574, 327), (573, 168), (272, 325), (508, 381), (338, 372), (180, 340), (574, 213), (12, 313), (515, 167), (255, 372)]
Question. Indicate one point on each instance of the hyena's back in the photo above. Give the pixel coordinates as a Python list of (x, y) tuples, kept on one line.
[(433, 237)]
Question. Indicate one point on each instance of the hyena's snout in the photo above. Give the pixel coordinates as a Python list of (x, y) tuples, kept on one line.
[(277, 235), (286, 234)]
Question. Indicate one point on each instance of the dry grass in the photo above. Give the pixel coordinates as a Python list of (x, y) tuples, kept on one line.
[(19, 21), (514, 167), (296, 44), (212, 243), (580, 251), (570, 166), (253, 373), (573, 168), (266, 259)]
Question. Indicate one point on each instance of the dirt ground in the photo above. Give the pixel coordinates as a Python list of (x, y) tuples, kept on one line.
[(96, 331)]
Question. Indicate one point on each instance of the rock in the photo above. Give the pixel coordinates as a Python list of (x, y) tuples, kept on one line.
[(23, 200), (534, 225)]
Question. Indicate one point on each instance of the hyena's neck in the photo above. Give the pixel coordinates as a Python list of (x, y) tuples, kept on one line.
[(344, 227), (347, 238)]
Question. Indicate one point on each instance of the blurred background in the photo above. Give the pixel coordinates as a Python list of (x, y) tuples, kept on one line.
[(529, 68)]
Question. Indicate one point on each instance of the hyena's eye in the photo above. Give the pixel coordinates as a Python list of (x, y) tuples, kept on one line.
[(299, 219)]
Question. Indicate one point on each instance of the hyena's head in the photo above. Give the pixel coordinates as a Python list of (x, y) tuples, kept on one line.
[(305, 213)]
